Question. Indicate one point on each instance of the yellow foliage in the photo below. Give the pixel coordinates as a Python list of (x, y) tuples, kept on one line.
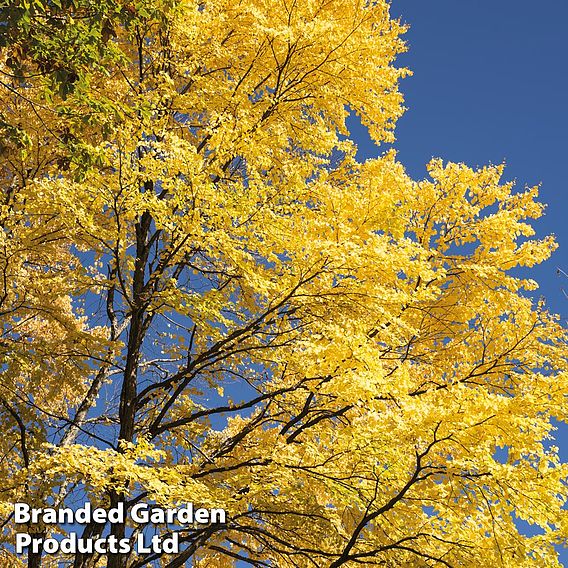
[(206, 298)]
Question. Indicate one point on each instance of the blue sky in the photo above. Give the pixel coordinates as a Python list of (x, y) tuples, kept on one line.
[(489, 85)]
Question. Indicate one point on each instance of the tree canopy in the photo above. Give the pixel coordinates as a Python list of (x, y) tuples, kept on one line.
[(206, 298)]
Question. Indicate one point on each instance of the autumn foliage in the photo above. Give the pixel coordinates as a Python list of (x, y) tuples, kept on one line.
[(205, 297)]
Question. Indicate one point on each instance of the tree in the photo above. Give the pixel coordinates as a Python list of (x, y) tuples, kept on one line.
[(206, 298)]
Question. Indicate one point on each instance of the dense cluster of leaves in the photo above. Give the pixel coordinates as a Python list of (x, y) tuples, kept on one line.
[(206, 298)]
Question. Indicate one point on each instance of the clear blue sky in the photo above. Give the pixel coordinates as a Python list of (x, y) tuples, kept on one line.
[(490, 85)]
